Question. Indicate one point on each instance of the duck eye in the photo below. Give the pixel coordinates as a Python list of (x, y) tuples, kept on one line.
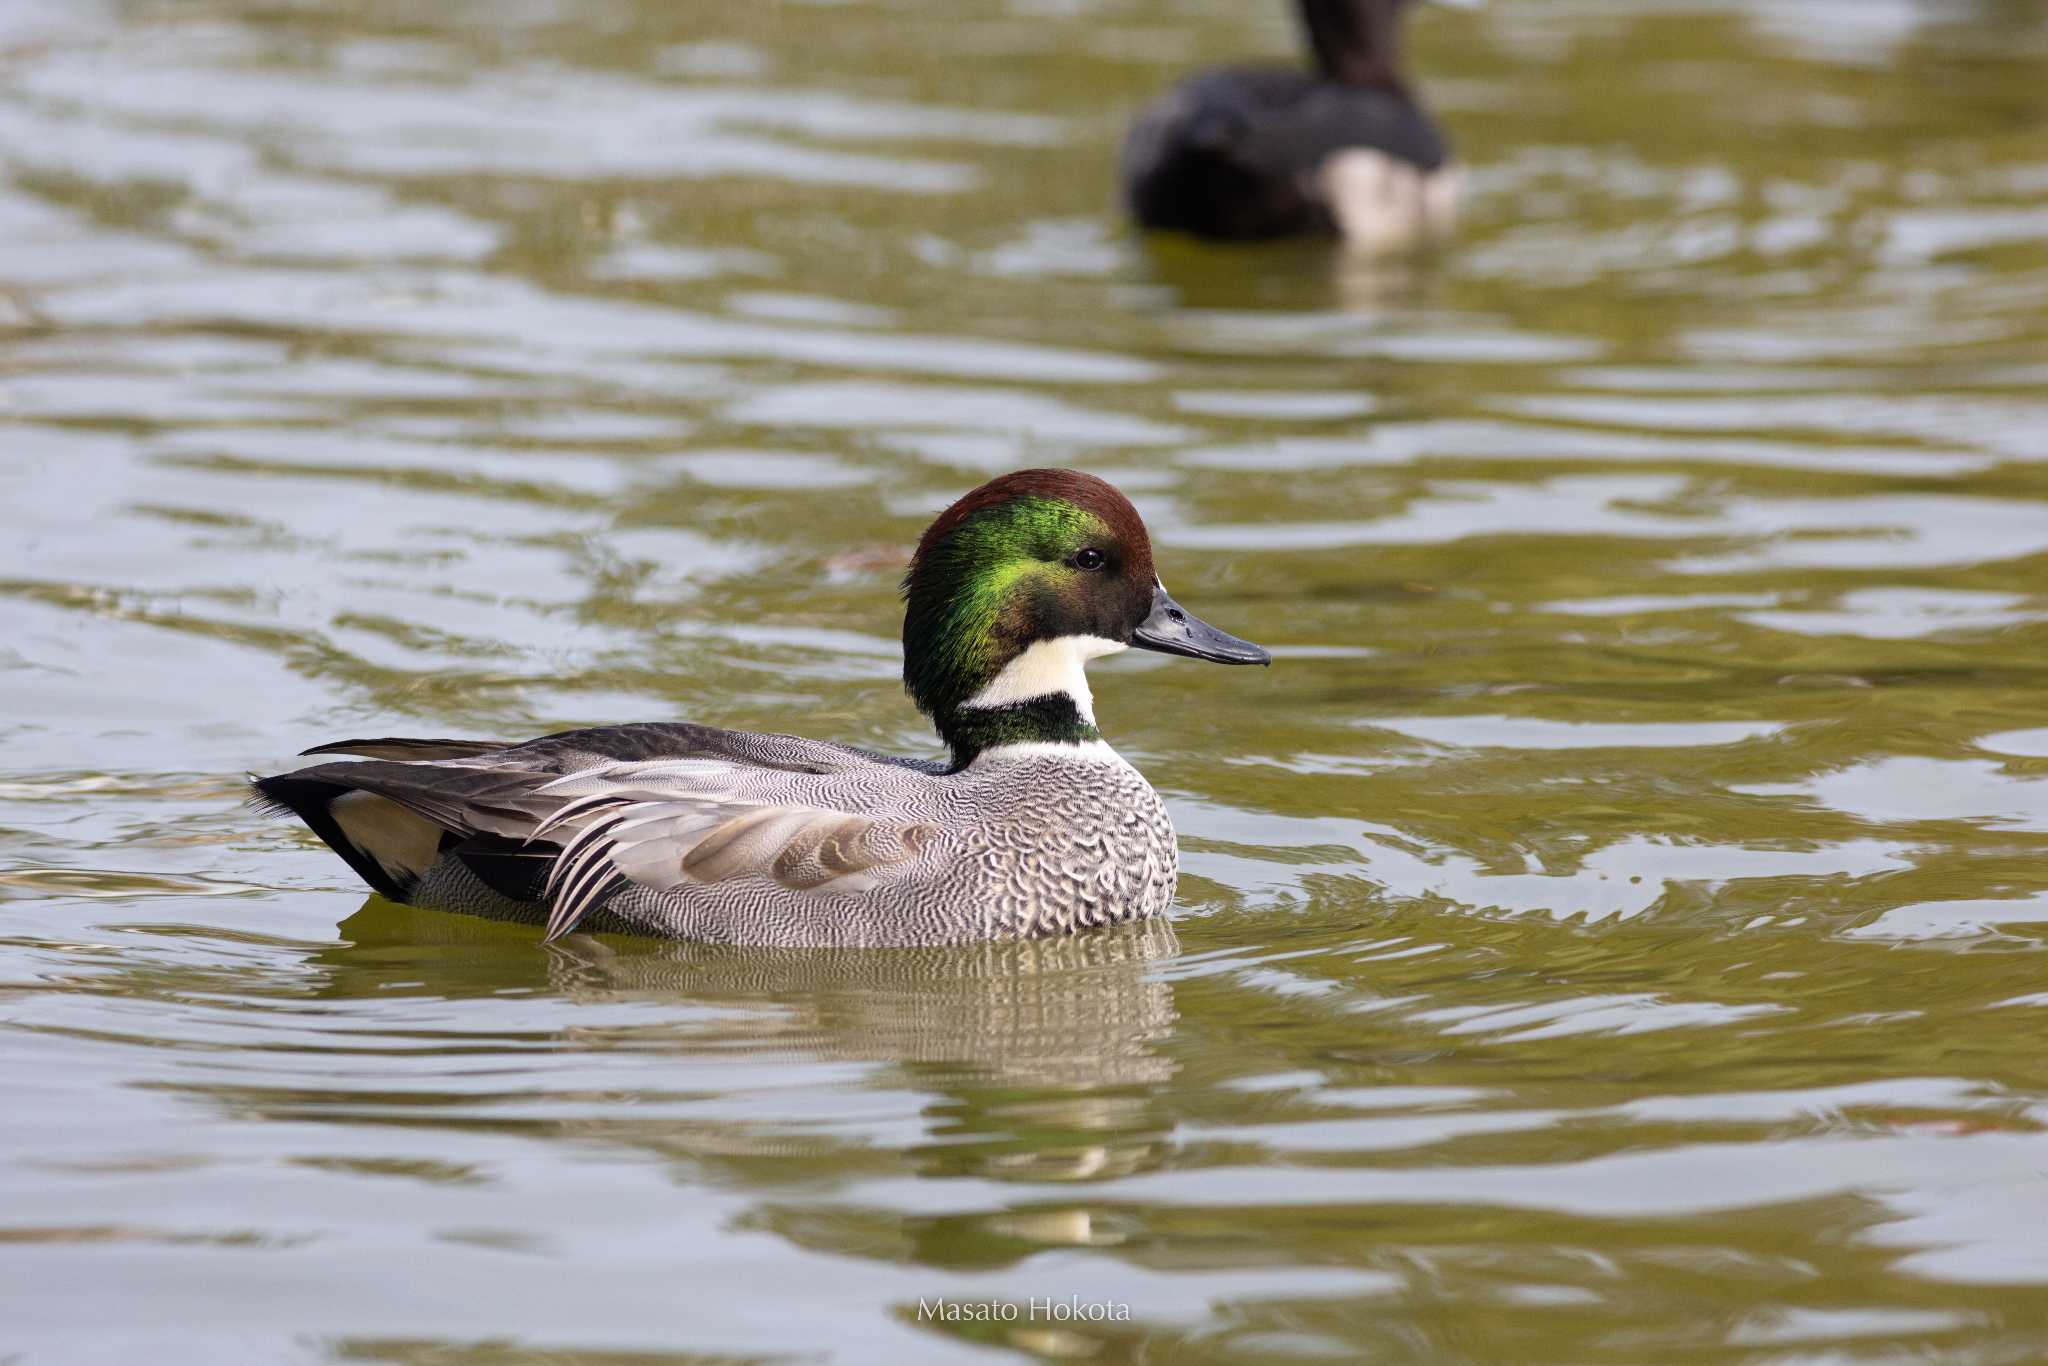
[(1089, 558)]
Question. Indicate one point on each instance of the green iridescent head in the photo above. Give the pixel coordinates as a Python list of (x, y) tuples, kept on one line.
[(1038, 558)]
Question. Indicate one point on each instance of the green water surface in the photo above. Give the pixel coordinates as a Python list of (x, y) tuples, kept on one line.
[(1614, 931)]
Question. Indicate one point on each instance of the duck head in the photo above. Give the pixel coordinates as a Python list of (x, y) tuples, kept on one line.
[(1015, 588)]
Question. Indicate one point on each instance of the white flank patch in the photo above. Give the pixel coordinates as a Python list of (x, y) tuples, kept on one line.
[(403, 844), (1385, 205), (1048, 668)]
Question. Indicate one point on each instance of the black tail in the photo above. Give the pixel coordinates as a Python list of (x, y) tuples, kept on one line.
[(404, 815), (288, 794), (511, 868)]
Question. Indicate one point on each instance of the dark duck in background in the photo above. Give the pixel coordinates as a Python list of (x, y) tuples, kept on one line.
[(1253, 153)]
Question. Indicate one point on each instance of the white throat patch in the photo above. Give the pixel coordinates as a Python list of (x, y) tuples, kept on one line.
[(1046, 668)]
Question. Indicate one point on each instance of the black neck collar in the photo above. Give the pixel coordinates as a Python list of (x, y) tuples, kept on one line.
[(1052, 719)]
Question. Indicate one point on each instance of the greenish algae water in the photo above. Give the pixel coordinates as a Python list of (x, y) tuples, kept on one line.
[(1613, 931)]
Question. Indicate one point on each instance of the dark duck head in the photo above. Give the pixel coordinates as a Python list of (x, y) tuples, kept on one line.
[(1256, 153), (1014, 589)]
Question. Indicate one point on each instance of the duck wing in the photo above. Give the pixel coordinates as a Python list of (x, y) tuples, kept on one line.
[(402, 804), (569, 750), (671, 824), (1284, 119), (400, 747)]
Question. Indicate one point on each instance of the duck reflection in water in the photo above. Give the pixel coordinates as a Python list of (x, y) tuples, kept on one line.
[(1033, 1060), (1079, 1011)]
